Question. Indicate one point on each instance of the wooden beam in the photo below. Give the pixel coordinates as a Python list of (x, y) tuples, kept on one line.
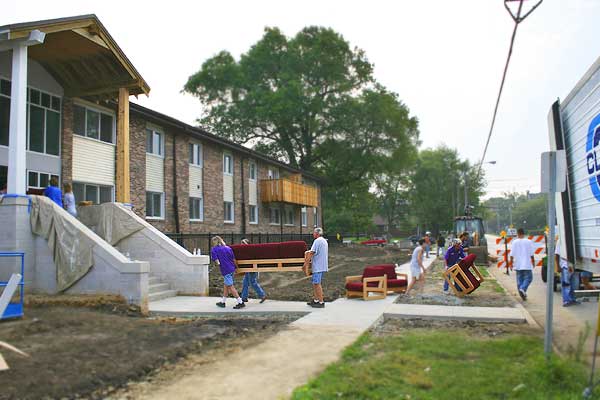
[(90, 36), (123, 178)]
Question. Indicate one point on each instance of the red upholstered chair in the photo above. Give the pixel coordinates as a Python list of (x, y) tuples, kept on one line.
[(373, 280), (396, 283), (464, 277)]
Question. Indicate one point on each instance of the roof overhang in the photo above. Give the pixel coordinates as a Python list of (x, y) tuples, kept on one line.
[(81, 55)]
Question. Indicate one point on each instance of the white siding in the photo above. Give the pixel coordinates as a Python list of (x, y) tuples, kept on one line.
[(155, 173), (228, 188), (195, 181), (93, 161), (252, 192)]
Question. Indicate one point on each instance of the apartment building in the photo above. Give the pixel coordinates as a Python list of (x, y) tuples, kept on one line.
[(81, 128)]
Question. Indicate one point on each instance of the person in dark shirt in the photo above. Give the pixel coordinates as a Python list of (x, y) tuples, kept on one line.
[(223, 256), (454, 254), (53, 192), (441, 244)]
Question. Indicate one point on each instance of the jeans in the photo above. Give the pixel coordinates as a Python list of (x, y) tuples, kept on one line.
[(251, 278), (569, 282), (524, 278), (440, 250), (427, 249)]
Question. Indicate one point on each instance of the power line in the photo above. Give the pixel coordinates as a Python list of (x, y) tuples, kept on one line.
[(518, 19)]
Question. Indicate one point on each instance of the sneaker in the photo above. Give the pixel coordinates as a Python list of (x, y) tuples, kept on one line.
[(310, 303), (569, 304), (221, 304), (446, 292), (318, 305), (263, 299), (239, 305), (522, 294), (245, 300)]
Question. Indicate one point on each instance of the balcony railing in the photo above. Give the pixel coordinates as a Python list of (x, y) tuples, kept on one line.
[(287, 191)]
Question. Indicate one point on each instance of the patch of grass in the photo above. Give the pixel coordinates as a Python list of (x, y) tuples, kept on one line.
[(446, 364)]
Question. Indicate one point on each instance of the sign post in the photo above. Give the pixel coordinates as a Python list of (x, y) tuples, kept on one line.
[(554, 180)]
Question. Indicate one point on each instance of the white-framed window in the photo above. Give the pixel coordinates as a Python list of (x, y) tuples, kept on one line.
[(274, 216), (39, 180), (196, 154), (273, 173), (253, 171), (196, 209), (155, 142), (228, 211), (304, 216), (288, 217), (227, 164), (253, 214), (154, 205), (93, 123), (315, 217), (43, 119), (97, 194)]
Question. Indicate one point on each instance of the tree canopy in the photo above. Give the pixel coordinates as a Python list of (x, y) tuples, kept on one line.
[(311, 100), (437, 188)]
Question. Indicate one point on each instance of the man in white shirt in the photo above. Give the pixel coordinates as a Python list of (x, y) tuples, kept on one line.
[(521, 260)]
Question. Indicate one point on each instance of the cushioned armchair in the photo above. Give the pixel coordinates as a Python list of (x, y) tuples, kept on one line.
[(373, 280), (464, 277)]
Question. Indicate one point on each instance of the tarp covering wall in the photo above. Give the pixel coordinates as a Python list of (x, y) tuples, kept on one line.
[(109, 221), (72, 251)]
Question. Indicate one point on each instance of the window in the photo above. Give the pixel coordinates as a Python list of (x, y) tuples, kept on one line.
[(253, 171), (315, 217), (4, 111), (227, 164), (154, 142), (196, 154), (43, 119), (93, 123), (228, 211), (253, 214), (288, 217), (39, 180), (196, 209), (154, 205), (274, 217), (304, 216), (97, 194), (273, 173)]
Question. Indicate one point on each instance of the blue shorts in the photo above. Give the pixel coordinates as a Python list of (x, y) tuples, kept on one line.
[(228, 279), (316, 278)]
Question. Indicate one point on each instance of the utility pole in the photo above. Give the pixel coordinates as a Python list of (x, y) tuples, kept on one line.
[(466, 195)]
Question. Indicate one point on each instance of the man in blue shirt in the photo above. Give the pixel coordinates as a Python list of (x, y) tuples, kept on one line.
[(453, 255), (53, 192), (319, 253)]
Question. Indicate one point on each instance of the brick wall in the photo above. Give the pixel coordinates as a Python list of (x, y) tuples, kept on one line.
[(66, 149), (137, 167)]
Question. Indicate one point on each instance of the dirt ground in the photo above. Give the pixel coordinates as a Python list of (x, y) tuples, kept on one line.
[(489, 294), (294, 286), (89, 353), (395, 326)]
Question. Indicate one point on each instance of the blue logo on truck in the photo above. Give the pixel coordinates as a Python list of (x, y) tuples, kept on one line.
[(592, 159)]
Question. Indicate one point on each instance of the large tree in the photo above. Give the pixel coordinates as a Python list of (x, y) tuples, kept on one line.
[(310, 100), (437, 188)]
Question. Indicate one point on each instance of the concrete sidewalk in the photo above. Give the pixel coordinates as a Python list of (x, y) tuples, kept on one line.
[(275, 367)]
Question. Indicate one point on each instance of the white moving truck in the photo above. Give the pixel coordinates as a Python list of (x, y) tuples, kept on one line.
[(574, 125)]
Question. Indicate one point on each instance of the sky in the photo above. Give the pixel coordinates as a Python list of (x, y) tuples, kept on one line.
[(443, 58)]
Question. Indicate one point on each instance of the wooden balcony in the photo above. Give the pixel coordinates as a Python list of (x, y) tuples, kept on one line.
[(288, 191)]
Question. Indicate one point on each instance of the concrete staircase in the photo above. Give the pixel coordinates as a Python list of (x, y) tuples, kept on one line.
[(158, 290)]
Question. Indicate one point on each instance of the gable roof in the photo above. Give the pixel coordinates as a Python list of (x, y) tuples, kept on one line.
[(77, 47)]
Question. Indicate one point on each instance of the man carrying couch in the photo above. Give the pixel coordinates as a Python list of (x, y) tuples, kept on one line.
[(319, 253)]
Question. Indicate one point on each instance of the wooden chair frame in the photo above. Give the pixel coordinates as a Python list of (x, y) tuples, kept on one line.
[(451, 274), (276, 265), (381, 287)]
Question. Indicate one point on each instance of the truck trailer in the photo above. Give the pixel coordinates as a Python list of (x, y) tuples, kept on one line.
[(574, 126)]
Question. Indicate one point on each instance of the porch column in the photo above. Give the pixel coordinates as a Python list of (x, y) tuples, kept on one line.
[(17, 139), (17, 131), (123, 177)]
